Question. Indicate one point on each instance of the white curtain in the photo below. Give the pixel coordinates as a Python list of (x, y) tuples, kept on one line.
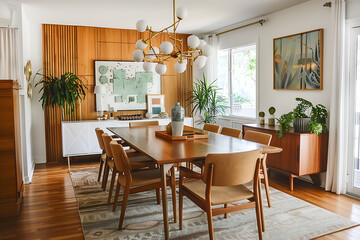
[(339, 108), (9, 54), (211, 64)]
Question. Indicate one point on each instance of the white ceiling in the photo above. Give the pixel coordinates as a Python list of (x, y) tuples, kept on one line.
[(204, 16)]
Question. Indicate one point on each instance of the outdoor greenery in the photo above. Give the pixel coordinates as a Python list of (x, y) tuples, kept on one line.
[(206, 101), (305, 109), (63, 92)]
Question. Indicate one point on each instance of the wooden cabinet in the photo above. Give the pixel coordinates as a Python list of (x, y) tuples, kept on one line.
[(11, 180), (303, 153)]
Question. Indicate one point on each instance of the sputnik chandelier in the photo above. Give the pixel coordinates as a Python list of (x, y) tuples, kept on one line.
[(197, 52)]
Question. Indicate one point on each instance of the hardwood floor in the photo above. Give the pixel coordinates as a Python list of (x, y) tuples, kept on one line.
[(49, 209)]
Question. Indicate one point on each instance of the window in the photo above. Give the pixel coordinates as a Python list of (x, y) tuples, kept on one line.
[(237, 78)]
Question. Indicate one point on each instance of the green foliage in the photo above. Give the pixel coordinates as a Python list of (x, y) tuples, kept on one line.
[(205, 100), (62, 92), (272, 110), (239, 99), (261, 114), (318, 115)]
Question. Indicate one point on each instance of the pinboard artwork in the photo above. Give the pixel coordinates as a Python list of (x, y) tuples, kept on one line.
[(125, 85), (298, 61)]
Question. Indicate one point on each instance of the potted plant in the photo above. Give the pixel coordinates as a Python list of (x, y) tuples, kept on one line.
[(63, 92), (262, 118), (271, 120), (305, 118), (206, 101)]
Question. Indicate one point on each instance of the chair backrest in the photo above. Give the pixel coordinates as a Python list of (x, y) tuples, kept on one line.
[(211, 128), (232, 169), (121, 160), (107, 139), (99, 132), (143, 124), (258, 137), (232, 132)]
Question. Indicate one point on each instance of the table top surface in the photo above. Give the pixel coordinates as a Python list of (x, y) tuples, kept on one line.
[(166, 151)]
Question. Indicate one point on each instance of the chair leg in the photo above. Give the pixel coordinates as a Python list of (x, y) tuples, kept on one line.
[(210, 223), (225, 214), (123, 205), (158, 198), (105, 176), (261, 207), (266, 181), (258, 217), (112, 185), (117, 192), (100, 169), (173, 193), (180, 210)]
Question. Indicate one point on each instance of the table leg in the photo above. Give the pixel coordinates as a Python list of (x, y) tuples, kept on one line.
[(291, 179), (68, 160), (164, 168)]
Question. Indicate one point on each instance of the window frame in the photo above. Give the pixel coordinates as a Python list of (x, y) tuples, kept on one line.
[(230, 73)]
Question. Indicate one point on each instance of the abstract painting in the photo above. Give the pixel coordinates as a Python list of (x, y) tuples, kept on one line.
[(155, 104), (125, 84), (298, 61)]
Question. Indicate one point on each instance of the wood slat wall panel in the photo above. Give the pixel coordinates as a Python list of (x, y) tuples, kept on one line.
[(75, 49)]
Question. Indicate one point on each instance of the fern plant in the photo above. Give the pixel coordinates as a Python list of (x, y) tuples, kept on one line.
[(63, 92), (206, 101)]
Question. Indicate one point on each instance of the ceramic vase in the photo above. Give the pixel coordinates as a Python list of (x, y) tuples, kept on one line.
[(177, 120), (261, 120), (301, 124), (271, 120)]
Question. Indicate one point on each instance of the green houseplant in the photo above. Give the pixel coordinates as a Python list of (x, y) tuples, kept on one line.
[(271, 120), (63, 92), (262, 118), (305, 117), (206, 101)]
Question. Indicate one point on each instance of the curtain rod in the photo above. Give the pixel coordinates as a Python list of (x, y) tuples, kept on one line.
[(261, 22)]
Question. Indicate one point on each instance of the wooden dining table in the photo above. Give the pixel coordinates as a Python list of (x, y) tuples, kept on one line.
[(167, 152)]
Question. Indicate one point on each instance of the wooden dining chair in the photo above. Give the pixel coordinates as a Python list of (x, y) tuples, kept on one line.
[(222, 184), (265, 139), (99, 132), (137, 161), (232, 132), (211, 128), (137, 181), (143, 124)]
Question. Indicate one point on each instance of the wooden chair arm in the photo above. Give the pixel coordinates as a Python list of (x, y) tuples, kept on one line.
[(185, 172)]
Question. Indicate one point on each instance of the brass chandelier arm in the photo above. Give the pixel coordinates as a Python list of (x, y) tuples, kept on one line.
[(155, 33)]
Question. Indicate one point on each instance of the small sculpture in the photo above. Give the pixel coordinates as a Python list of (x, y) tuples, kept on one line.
[(163, 115)]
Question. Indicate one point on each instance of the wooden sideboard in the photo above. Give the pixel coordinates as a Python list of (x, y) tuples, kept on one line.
[(11, 180), (303, 153)]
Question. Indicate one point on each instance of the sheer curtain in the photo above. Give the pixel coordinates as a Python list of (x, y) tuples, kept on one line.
[(211, 64), (9, 55), (339, 108)]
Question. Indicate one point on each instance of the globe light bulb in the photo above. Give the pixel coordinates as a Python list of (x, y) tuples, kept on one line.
[(141, 25), (200, 62), (140, 44), (207, 51), (202, 44), (181, 13), (148, 66), (180, 67), (193, 41), (160, 68), (151, 53), (166, 47), (138, 55)]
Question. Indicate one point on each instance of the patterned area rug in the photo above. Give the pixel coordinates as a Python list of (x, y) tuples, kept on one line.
[(288, 218)]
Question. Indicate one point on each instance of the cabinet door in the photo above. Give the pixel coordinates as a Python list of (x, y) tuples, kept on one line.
[(75, 138)]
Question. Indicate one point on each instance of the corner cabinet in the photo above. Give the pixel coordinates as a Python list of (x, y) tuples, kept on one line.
[(303, 153), (11, 180)]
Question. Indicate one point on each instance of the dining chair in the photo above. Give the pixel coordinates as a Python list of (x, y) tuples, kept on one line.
[(137, 181), (137, 161), (222, 184), (99, 132), (143, 124), (212, 128), (232, 132), (265, 139)]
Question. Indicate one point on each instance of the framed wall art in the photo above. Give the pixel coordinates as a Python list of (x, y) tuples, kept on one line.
[(125, 85), (298, 61), (156, 104)]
